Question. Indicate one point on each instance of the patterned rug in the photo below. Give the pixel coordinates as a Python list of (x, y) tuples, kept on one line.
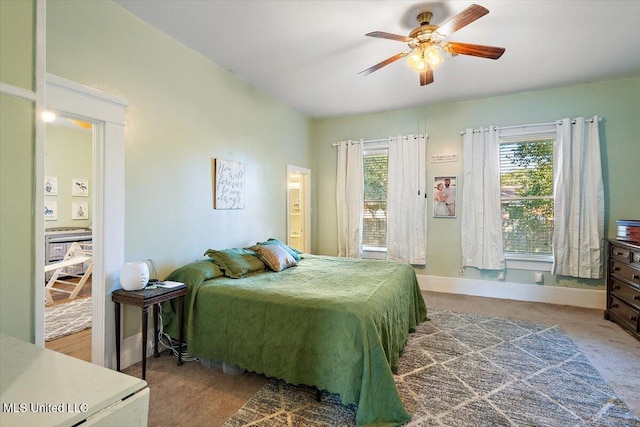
[(468, 370), (66, 319)]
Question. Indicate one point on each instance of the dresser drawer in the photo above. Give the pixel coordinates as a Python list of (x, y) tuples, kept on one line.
[(635, 257), (619, 253), (626, 315), (627, 293), (624, 271)]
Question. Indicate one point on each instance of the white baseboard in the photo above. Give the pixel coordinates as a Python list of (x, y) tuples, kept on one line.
[(131, 349), (587, 298)]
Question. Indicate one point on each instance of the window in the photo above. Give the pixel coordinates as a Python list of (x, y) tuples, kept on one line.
[(526, 187), (374, 230)]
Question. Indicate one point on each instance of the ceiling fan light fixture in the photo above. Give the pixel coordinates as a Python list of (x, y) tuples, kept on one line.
[(432, 56), (425, 43), (423, 57), (416, 60)]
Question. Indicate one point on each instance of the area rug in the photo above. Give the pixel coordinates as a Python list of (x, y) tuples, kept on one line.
[(66, 319), (468, 370)]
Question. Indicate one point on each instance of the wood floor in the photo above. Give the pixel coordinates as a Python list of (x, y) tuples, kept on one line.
[(76, 345)]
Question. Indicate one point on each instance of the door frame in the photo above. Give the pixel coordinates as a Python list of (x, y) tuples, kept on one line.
[(107, 113), (306, 202)]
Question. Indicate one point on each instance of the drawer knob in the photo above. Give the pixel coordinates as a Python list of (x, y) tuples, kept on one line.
[(619, 253), (616, 287), (614, 305), (633, 318), (635, 277), (635, 297), (615, 269)]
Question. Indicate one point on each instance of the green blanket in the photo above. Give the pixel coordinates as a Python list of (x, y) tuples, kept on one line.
[(335, 323)]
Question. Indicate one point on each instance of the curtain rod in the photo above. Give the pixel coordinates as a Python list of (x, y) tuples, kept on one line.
[(373, 141), (557, 122)]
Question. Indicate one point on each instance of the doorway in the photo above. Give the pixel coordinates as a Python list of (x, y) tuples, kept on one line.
[(298, 208), (107, 114), (68, 244)]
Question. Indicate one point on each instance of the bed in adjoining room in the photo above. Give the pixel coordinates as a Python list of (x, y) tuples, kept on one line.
[(337, 324)]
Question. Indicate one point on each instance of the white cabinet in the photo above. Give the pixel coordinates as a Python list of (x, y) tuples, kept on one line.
[(39, 387)]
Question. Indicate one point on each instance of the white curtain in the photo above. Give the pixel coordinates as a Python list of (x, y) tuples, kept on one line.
[(406, 201), (578, 232), (350, 197), (481, 226)]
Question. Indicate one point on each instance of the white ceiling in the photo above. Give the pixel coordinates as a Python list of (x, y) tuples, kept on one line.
[(307, 54)]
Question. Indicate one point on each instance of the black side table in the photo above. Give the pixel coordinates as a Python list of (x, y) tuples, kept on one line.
[(144, 299)]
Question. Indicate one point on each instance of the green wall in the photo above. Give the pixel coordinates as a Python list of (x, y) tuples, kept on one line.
[(68, 155), (183, 111), (17, 139), (617, 102), (17, 42)]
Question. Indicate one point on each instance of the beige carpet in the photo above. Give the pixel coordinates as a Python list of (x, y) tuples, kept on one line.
[(193, 395)]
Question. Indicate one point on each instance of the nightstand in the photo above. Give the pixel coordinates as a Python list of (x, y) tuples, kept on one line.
[(144, 299)]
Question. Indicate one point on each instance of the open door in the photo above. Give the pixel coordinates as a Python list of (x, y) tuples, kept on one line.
[(298, 208)]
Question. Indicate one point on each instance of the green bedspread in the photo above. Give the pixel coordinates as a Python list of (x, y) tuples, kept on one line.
[(335, 323)]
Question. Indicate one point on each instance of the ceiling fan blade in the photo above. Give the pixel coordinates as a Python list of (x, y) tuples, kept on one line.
[(462, 19), (478, 50), (390, 36), (426, 77), (383, 63)]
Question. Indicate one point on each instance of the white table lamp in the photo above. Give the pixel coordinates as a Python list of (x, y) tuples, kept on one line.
[(134, 276)]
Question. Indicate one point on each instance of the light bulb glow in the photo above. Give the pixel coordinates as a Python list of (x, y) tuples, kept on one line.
[(48, 116), (423, 57), (416, 59), (432, 56)]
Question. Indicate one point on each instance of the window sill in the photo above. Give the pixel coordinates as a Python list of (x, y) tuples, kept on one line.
[(373, 253), (529, 262)]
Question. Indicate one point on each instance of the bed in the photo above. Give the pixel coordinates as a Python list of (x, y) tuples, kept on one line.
[(334, 323)]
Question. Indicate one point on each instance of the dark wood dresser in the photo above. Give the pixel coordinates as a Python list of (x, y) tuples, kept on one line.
[(623, 286)]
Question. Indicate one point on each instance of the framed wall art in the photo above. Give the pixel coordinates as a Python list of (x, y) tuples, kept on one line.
[(50, 186), (50, 210), (228, 184), (80, 187), (444, 196), (80, 210)]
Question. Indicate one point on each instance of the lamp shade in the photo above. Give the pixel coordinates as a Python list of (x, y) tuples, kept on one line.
[(134, 276)]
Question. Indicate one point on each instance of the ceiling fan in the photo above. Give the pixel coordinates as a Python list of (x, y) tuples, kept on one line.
[(425, 43)]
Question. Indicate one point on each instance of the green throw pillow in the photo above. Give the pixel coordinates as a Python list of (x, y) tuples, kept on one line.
[(236, 263), (205, 269)]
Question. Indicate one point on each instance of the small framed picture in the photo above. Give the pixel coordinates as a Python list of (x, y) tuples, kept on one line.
[(50, 211), (80, 187), (50, 186), (444, 196), (80, 210)]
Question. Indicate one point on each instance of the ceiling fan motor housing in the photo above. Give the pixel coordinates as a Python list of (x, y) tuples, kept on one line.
[(424, 32), (424, 18)]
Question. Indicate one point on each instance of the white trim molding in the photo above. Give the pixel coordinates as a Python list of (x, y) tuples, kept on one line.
[(16, 91), (531, 262), (38, 167), (587, 298), (107, 113)]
